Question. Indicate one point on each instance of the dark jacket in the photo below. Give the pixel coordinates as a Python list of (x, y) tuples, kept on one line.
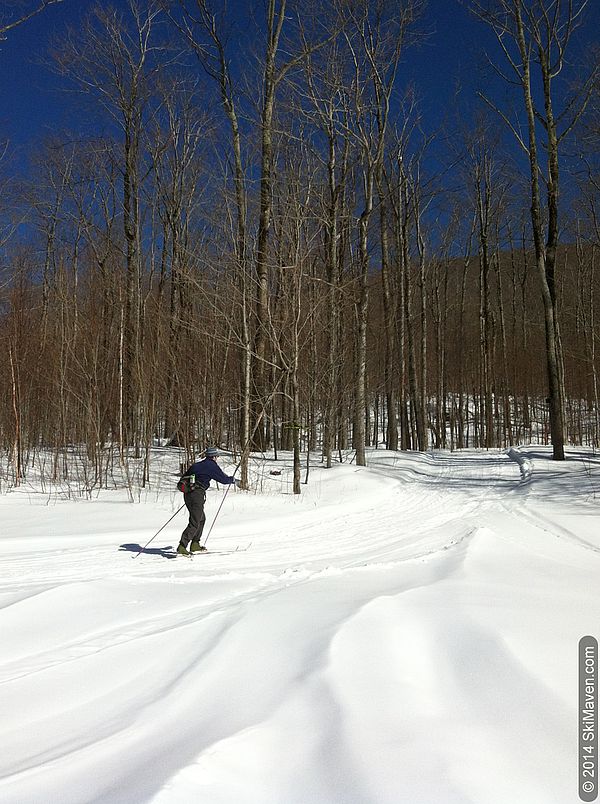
[(207, 470)]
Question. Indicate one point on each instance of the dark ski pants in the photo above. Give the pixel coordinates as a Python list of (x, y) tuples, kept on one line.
[(194, 501)]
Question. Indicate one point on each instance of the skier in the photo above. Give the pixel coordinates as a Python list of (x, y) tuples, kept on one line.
[(194, 484)]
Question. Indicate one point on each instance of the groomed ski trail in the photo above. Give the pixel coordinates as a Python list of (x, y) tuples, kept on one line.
[(394, 624)]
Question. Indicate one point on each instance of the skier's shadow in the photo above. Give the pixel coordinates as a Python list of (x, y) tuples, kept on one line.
[(164, 552)]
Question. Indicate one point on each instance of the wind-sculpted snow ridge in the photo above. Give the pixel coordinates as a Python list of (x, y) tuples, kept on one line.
[(404, 633)]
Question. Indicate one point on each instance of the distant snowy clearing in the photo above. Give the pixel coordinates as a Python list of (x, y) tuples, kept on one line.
[(404, 633)]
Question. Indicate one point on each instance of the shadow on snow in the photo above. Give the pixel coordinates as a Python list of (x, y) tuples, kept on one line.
[(164, 552)]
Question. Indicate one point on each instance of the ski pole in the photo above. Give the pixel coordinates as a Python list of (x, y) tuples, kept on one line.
[(221, 505), (249, 439), (159, 530)]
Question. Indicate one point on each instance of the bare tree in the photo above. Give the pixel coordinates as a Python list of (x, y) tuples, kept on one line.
[(14, 13), (179, 135), (534, 36), (328, 111), (486, 190), (275, 71), (113, 60), (375, 34), (205, 32)]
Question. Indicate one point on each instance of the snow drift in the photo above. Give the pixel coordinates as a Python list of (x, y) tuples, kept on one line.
[(401, 633)]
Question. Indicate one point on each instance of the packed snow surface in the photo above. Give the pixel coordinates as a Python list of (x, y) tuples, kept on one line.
[(404, 633)]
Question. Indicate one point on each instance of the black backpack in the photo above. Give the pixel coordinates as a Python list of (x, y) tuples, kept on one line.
[(186, 483)]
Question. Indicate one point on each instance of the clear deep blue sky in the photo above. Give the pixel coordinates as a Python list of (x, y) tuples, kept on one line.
[(32, 105)]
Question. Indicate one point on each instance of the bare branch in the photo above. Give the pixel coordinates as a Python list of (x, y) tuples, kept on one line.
[(8, 26)]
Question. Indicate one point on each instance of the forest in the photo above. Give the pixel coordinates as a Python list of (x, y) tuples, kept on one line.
[(261, 244)]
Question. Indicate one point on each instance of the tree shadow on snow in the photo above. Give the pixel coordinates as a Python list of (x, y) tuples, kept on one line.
[(164, 552), (574, 481)]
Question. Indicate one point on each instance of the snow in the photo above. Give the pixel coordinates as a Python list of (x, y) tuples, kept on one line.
[(404, 633)]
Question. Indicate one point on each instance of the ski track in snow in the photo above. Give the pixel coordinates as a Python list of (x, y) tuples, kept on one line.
[(395, 636)]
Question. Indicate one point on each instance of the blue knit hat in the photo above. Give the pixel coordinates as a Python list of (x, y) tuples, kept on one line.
[(211, 452)]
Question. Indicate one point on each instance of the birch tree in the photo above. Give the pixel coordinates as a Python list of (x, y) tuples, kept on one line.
[(15, 13), (375, 34), (534, 37), (113, 59)]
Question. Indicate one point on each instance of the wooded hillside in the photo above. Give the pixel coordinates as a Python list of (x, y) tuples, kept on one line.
[(261, 247)]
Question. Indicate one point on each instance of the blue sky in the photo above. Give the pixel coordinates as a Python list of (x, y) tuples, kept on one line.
[(33, 103)]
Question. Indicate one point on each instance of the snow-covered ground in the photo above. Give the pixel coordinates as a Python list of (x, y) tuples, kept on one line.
[(401, 634)]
